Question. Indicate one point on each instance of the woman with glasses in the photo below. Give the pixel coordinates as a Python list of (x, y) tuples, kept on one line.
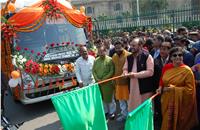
[(178, 100)]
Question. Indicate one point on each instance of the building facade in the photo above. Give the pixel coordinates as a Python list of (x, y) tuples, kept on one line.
[(96, 8)]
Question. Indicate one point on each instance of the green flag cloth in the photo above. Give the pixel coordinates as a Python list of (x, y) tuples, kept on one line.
[(81, 109), (141, 118)]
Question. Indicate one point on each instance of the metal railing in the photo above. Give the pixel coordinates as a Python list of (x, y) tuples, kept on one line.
[(157, 19)]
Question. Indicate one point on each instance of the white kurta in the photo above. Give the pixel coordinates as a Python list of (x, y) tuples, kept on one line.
[(84, 70), (135, 98)]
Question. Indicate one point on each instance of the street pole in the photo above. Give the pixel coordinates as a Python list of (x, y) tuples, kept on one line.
[(173, 15), (138, 10), (97, 30)]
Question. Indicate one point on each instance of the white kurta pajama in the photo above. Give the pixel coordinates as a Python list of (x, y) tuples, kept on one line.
[(84, 70)]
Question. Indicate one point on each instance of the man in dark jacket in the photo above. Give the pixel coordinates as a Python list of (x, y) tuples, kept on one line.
[(156, 46), (139, 67), (159, 62), (188, 57)]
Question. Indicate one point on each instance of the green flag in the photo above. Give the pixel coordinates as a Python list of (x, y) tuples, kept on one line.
[(141, 118), (81, 109)]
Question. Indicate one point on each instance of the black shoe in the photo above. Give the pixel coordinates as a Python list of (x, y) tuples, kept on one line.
[(106, 115), (111, 116)]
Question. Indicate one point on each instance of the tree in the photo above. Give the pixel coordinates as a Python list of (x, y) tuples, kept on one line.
[(152, 5), (102, 17), (126, 14)]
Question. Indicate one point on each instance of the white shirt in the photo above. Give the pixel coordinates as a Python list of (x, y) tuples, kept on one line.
[(84, 70), (156, 54)]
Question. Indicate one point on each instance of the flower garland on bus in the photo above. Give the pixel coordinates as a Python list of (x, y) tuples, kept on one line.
[(48, 69), (8, 31), (51, 9), (25, 61), (31, 67)]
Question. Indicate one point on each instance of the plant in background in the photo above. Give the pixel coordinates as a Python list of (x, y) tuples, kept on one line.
[(191, 24)]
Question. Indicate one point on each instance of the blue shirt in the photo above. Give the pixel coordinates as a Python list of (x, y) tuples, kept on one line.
[(188, 58)]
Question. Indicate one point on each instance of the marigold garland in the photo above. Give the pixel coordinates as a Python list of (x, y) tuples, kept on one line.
[(48, 69)]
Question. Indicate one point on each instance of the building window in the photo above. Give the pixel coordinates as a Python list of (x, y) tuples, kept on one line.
[(130, 5), (89, 10), (118, 7)]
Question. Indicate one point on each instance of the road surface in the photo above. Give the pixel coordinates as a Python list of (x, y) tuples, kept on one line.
[(39, 116)]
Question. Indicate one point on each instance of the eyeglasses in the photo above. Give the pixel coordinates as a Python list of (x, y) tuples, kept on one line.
[(175, 55)]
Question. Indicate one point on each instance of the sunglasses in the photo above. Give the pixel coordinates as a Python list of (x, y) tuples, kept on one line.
[(175, 55)]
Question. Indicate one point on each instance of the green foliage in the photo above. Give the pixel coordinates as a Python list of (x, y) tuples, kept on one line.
[(119, 19), (126, 14), (153, 5), (102, 17), (192, 24), (3, 19)]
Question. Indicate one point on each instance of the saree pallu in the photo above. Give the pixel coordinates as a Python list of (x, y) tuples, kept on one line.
[(179, 109)]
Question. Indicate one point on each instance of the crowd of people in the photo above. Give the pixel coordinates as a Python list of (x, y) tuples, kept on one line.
[(165, 63)]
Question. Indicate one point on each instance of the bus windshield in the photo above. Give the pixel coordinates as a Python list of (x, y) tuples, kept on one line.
[(56, 32)]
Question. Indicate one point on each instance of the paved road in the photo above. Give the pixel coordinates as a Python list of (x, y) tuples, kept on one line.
[(42, 116), (39, 116)]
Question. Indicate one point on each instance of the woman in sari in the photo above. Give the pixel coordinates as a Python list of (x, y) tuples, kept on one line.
[(178, 100)]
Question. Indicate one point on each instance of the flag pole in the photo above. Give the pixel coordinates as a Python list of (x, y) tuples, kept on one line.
[(152, 97), (121, 76), (110, 79), (114, 78)]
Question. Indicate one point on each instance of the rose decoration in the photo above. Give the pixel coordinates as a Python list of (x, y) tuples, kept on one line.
[(8, 31), (31, 67), (51, 9)]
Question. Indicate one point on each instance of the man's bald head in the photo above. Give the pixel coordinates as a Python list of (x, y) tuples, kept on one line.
[(82, 48), (83, 52), (138, 40), (136, 45)]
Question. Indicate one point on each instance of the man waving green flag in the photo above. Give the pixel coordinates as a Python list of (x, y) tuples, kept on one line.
[(81, 109), (141, 118)]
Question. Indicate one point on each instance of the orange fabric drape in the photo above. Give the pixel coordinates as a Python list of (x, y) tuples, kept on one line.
[(75, 17), (30, 16), (26, 16), (36, 26)]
